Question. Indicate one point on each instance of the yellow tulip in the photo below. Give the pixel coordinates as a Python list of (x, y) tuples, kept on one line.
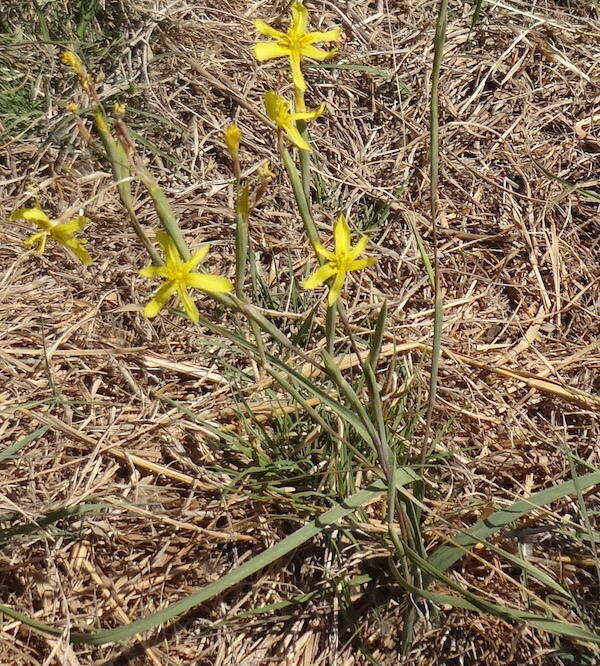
[(278, 110), (63, 233), (294, 43), (341, 261), (178, 276)]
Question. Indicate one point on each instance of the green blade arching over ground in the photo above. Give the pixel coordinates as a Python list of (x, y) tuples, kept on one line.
[(445, 556), (340, 510)]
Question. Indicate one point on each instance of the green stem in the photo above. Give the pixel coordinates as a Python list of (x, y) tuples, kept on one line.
[(302, 126), (299, 195), (120, 168), (241, 237), (242, 243), (434, 159), (166, 214), (330, 323)]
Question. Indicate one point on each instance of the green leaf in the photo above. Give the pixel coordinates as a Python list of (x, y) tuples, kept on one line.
[(10, 451), (445, 556), (326, 520), (49, 519)]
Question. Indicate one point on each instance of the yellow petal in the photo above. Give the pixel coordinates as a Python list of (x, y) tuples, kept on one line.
[(35, 214), (151, 271), (309, 115), (296, 138), (71, 227), (316, 53), (197, 257), (299, 18), (336, 288), (276, 107), (268, 31), (328, 36), (232, 137), (359, 248), (37, 238), (76, 247), (269, 50), (210, 283), (359, 264), (72, 60), (297, 75), (264, 171), (157, 303), (319, 276), (324, 252), (341, 235), (169, 247), (188, 303)]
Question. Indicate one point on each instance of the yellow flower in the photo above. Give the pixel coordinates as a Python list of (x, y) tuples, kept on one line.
[(232, 137), (73, 61), (72, 107), (344, 259), (278, 110), (63, 233), (119, 108), (178, 276), (264, 171), (294, 43)]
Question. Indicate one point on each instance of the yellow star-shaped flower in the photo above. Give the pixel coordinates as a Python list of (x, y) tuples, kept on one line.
[(278, 110), (63, 233), (294, 43), (343, 259), (178, 276)]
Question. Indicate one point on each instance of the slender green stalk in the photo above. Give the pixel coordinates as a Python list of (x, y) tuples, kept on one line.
[(434, 158), (165, 212), (299, 195), (120, 167), (242, 243), (304, 154), (241, 238), (330, 324)]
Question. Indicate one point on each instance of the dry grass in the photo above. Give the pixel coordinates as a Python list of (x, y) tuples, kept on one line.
[(519, 380)]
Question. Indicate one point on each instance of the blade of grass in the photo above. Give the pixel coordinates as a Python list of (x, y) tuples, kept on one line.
[(11, 450), (49, 519), (328, 519), (446, 555), (434, 163)]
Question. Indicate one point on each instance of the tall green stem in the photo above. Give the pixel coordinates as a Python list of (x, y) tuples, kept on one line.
[(120, 168), (304, 154)]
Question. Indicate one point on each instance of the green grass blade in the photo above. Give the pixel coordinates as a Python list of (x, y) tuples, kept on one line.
[(49, 519), (445, 556), (11, 450), (310, 530), (540, 621), (377, 337), (570, 187)]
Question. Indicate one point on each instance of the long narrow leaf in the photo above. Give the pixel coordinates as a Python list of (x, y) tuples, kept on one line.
[(10, 451), (310, 530), (445, 556)]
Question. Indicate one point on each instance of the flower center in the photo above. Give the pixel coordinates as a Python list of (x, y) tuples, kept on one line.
[(179, 273), (294, 41), (342, 261)]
